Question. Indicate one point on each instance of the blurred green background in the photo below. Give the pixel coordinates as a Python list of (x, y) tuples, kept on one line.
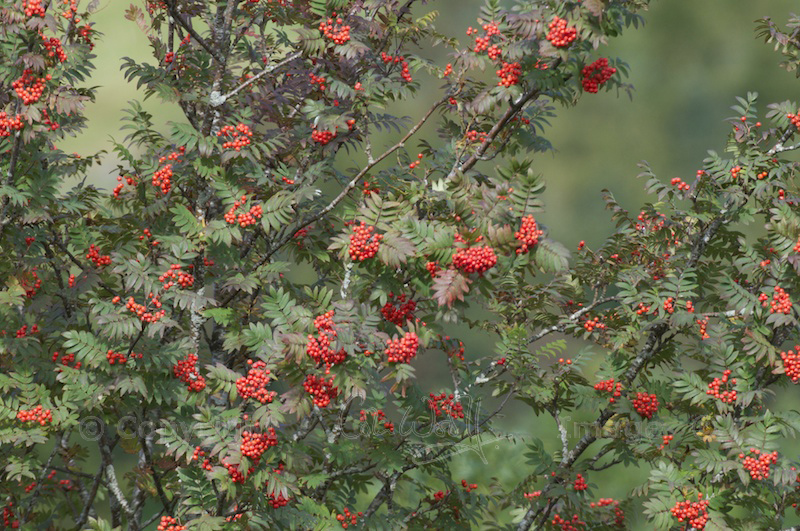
[(688, 63)]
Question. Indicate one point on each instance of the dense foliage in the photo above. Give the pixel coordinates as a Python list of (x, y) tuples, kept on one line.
[(231, 336)]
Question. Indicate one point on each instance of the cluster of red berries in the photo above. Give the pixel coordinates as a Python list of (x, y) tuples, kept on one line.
[(695, 513), (610, 387), (727, 396), (791, 363), (8, 516), (402, 350), (66, 360), (370, 188), (48, 122), (141, 310), (347, 519), (795, 119), (380, 416), (364, 242), (175, 276), (443, 404), (619, 516), (319, 349), (677, 181), (580, 483), (244, 219), (400, 311), (432, 268), (254, 385), (416, 162), (240, 136), (54, 47), (735, 171), (648, 223), (162, 178), (476, 136), (37, 414), (573, 524), (494, 52), (759, 466), (591, 324), (475, 259), (596, 74), (645, 405), (234, 473), (703, 324), (255, 444), (528, 234), (454, 348), (335, 30), (405, 74), (509, 74), (317, 80), (120, 185), (669, 305), (665, 440), (8, 124), (781, 303), (98, 259), (33, 8), (321, 390), (186, 371), (322, 137), (23, 331), (276, 501), (561, 35), (120, 358), (169, 523), (71, 9), (29, 87), (642, 309), (31, 284)]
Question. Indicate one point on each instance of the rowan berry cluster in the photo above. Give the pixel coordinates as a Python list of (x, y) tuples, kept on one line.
[(682, 186), (475, 136), (405, 74), (85, 32), (432, 268), (380, 416), (791, 363), (321, 390), (244, 219), (234, 473), (120, 185), (647, 223), (528, 234), (322, 137), (400, 311), (402, 350), (278, 500), (240, 136), (758, 466), (162, 178), (175, 276), (29, 87), (596, 74), (561, 35), (65, 360), (619, 516), (370, 188), (509, 74), (347, 519), (726, 396), (456, 348), (469, 487), (642, 309), (645, 405), (475, 259), (71, 9), (694, 513), (169, 523), (254, 385), (444, 404), (119, 358), (665, 440), (364, 242), (37, 414), (795, 119), (8, 516), (33, 8), (610, 387), (98, 259), (141, 310), (8, 124), (31, 284), (416, 162), (669, 305), (781, 303), (54, 48), (591, 324), (336, 30), (703, 324), (573, 524), (23, 331), (255, 444), (580, 483), (186, 371)]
